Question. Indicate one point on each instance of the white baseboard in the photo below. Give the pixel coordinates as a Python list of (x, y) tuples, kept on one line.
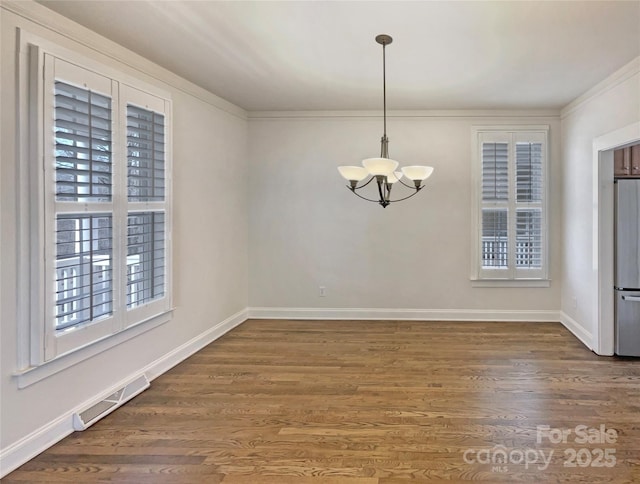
[(404, 314), (577, 330), (37, 441), (181, 353), (41, 439)]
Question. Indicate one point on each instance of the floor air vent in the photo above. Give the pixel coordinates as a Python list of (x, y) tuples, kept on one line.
[(91, 415)]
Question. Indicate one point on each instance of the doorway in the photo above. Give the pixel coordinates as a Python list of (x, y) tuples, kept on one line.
[(603, 243)]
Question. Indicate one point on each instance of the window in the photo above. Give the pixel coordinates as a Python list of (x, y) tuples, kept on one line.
[(104, 217), (510, 230)]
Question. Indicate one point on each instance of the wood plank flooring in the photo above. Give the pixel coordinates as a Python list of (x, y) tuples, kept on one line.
[(299, 402)]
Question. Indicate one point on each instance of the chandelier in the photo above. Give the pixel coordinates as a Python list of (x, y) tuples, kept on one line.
[(383, 169)]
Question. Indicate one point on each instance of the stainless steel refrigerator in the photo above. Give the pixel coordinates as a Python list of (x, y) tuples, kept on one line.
[(627, 267)]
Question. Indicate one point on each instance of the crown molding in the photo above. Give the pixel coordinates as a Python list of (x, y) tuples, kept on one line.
[(88, 39), (624, 73), (444, 113)]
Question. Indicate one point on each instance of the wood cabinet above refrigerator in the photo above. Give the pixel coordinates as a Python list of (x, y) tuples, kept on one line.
[(626, 162)]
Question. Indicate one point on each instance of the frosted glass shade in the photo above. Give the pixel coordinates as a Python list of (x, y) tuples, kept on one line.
[(353, 173), (379, 166), (417, 172), (394, 177)]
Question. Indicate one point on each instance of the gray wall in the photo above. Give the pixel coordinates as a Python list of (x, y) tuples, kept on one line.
[(614, 105), (307, 230), (209, 233)]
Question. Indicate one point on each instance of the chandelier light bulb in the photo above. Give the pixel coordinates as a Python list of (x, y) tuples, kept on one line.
[(379, 166), (353, 173), (394, 177), (416, 173)]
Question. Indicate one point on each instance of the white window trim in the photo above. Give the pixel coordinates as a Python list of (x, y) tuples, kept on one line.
[(508, 278), (33, 363)]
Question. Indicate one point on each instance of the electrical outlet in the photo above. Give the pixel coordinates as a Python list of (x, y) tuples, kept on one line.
[(323, 291), (574, 302)]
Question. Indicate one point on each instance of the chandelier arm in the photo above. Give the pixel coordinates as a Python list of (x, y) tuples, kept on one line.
[(401, 199), (364, 198), (408, 186), (361, 186)]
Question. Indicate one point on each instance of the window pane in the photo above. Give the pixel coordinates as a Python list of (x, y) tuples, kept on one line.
[(145, 162), (82, 128), (494, 238), (528, 172), (495, 171), (84, 276), (145, 258), (529, 238)]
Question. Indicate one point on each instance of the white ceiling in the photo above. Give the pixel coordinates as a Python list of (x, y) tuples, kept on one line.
[(318, 55)]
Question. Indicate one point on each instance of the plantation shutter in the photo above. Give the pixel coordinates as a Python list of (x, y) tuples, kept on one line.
[(84, 275), (511, 238), (145, 158), (83, 144), (495, 244), (529, 238), (529, 172), (99, 197), (495, 171), (529, 189), (146, 214), (495, 197), (145, 257), (83, 174)]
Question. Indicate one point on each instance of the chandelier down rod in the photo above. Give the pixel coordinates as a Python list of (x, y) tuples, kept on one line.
[(384, 40)]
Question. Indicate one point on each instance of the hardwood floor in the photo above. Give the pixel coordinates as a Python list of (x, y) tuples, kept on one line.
[(297, 402)]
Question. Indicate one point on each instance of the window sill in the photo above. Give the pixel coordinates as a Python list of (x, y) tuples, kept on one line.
[(34, 374), (510, 282)]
